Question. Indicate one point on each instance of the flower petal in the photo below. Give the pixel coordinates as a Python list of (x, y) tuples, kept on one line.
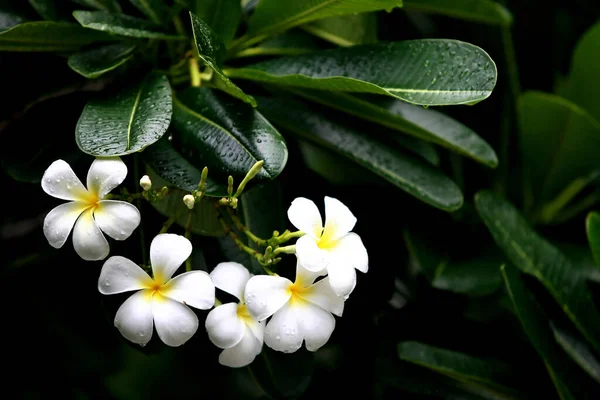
[(105, 174), (257, 329), (342, 278), (175, 323), (322, 295), (266, 294), (306, 277), (283, 332), (310, 255), (88, 240), (351, 249), (134, 318), (60, 181), (339, 219), (117, 219), (225, 329), (315, 324), (167, 252), (242, 353), (231, 277), (120, 274), (192, 288), (59, 222), (304, 215)]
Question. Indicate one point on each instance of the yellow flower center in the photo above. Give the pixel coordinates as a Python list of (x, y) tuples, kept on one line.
[(243, 313), (157, 288), (296, 292), (327, 241)]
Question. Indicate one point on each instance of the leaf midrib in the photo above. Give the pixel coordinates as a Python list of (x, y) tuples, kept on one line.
[(135, 106), (297, 17)]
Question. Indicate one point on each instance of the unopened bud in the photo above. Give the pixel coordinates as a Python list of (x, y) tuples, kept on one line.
[(189, 201), (146, 183)]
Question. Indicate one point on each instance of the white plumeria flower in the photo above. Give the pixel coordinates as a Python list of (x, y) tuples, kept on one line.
[(230, 326), (88, 211), (333, 247), (160, 301), (301, 310)]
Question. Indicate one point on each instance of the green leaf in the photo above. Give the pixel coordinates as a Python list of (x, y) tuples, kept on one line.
[(123, 25), (579, 351), (270, 17), (426, 72), (426, 124), (49, 36), (95, 62), (171, 166), (8, 20), (592, 224), (492, 374), (223, 16), (485, 11), (226, 135), (289, 43), (410, 174), (584, 80), (212, 51), (46, 9), (346, 30), (559, 142), (111, 6), (128, 121), (283, 376), (560, 368), (535, 256), (156, 10), (202, 219)]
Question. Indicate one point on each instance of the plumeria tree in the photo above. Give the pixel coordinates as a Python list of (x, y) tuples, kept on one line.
[(246, 158)]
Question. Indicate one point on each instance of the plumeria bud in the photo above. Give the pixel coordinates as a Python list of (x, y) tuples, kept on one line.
[(146, 183), (189, 201)]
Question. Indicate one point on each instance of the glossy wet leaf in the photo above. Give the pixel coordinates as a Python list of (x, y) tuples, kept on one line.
[(426, 72), (270, 18), (484, 11), (593, 232), (346, 30), (123, 25), (49, 36), (426, 124), (127, 121), (155, 10), (211, 50), (535, 256), (111, 6), (202, 220), (405, 171), (226, 135), (584, 79), (490, 373), (561, 368), (95, 62), (171, 166), (285, 44), (223, 16), (559, 141), (579, 350)]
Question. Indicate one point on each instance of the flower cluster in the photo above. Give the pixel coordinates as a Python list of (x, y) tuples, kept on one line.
[(297, 312)]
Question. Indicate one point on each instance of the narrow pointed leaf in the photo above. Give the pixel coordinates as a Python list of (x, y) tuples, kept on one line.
[(111, 6), (226, 135), (223, 16), (346, 30), (425, 72), (95, 62), (156, 10), (289, 43), (405, 171), (562, 369), (426, 124), (579, 351), (270, 18), (490, 373), (128, 121), (559, 141), (171, 166), (592, 224), (484, 11), (49, 36), (535, 256), (123, 25), (47, 9), (211, 50)]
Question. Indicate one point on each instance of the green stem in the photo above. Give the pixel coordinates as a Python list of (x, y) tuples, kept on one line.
[(286, 250), (585, 203), (244, 229), (236, 239), (287, 235), (167, 225), (195, 72)]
